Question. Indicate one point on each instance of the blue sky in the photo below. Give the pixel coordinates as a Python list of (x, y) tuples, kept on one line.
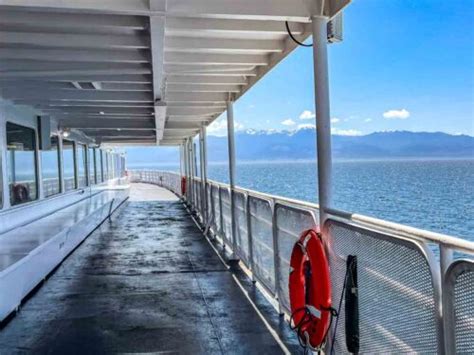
[(403, 65)]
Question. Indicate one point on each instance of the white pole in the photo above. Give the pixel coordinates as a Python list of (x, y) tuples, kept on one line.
[(204, 172), (323, 120), (181, 160), (231, 146), (201, 165)]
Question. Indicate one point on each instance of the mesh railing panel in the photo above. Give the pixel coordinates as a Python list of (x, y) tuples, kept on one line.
[(262, 241), (216, 209), (242, 238), (397, 307), (291, 222), (226, 216), (460, 306)]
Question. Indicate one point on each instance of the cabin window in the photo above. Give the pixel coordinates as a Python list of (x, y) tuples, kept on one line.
[(111, 166), (21, 162), (106, 166), (101, 165), (81, 151), (69, 170), (92, 167), (50, 169)]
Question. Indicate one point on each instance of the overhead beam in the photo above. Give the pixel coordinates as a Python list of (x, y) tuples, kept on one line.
[(197, 97), (63, 85), (216, 59), (196, 69), (157, 36), (207, 79), (64, 21), (76, 55), (16, 74), (68, 40), (126, 111), (105, 124), (113, 78), (275, 10), (213, 45), (78, 95), (202, 88), (194, 125), (191, 111), (119, 133), (230, 26)]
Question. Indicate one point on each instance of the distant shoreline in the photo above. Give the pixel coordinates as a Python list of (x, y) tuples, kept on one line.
[(336, 160)]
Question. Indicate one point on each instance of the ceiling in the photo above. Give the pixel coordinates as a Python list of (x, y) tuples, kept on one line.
[(143, 72)]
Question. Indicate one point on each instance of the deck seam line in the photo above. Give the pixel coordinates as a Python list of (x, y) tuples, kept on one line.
[(254, 306), (206, 304)]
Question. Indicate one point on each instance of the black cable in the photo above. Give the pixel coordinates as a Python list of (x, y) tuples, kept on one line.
[(339, 308), (293, 37)]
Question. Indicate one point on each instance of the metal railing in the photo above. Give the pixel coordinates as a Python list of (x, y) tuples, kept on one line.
[(416, 290)]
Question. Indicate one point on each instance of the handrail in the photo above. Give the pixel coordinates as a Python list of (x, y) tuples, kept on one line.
[(390, 227), (406, 231), (419, 282)]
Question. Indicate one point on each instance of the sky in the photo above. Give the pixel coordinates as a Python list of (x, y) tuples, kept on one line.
[(403, 65)]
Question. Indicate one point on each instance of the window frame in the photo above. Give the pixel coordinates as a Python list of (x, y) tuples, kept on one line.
[(36, 166), (73, 143), (85, 152), (60, 173)]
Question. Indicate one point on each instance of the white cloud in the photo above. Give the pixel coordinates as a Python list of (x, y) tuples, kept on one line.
[(288, 122), (335, 120), (219, 127), (306, 126), (307, 115), (402, 114), (368, 120), (346, 132)]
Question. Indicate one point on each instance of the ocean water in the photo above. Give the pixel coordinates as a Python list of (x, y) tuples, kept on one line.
[(436, 195)]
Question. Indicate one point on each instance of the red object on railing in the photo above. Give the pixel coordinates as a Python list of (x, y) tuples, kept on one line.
[(310, 290), (183, 185)]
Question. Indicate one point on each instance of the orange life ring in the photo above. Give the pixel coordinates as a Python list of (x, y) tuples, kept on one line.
[(20, 193), (310, 290), (183, 185)]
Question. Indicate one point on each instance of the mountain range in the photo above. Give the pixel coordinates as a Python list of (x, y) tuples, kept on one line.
[(254, 145)]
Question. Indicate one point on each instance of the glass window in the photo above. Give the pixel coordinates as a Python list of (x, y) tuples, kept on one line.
[(101, 165), (21, 154), (107, 168), (92, 165), (81, 151), (50, 169), (111, 166), (69, 171)]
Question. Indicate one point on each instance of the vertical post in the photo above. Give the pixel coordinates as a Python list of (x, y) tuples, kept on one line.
[(323, 121), (204, 204), (181, 160), (201, 166), (188, 172), (195, 173), (231, 146)]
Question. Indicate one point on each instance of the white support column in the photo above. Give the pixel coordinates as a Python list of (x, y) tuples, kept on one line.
[(181, 167), (201, 166), (203, 155), (323, 120), (190, 173), (231, 146)]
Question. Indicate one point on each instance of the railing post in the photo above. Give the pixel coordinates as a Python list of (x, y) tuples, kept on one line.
[(249, 234), (231, 146), (323, 121), (203, 156), (276, 253)]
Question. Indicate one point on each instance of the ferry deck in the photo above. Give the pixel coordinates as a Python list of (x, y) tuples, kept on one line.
[(97, 259)]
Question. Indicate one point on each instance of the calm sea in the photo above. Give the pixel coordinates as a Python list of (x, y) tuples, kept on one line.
[(436, 195)]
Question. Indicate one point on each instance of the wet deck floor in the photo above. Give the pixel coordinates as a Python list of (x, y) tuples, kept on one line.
[(146, 281)]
